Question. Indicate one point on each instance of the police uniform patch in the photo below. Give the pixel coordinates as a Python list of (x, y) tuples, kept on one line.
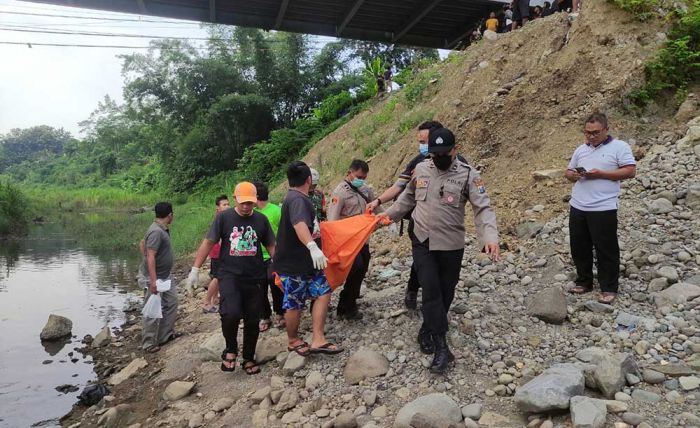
[(334, 200), (422, 183), (480, 187)]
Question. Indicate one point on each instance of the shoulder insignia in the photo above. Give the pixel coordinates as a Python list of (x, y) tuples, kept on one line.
[(479, 183), (334, 200)]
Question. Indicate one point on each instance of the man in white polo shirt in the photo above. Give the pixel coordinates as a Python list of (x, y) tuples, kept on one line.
[(596, 169)]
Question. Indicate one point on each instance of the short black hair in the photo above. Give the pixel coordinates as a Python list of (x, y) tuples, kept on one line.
[(163, 209), (359, 164), (598, 117), (430, 125), (297, 173), (263, 192), (221, 198)]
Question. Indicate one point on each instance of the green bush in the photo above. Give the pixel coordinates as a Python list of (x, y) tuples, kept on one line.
[(14, 210), (333, 107), (641, 9)]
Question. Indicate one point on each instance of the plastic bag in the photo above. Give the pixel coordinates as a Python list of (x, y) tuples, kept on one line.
[(92, 394), (163, 285), (152, 308)]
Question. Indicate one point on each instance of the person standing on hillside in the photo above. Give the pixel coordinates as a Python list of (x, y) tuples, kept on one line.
[(317, 197), (157, 251), (299, 262), (424, 129), (350, 198), (273, 213), (388, 76), (521, 13), (492, 22), (596, 169), (212, 296), (437, 193), (242, 233)]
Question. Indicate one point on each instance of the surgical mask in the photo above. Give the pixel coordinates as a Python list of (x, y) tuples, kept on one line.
[(357, 182), (423, 149), (442, 162)]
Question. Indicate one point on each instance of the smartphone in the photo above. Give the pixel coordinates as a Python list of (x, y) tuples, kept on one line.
[(581, 170)]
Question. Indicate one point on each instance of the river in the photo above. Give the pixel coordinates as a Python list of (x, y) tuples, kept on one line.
[(49, 271)]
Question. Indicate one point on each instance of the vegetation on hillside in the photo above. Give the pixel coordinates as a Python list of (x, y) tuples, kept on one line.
[(14, 210)]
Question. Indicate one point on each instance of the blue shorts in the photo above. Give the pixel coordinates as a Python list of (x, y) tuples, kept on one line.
[(297, 289)]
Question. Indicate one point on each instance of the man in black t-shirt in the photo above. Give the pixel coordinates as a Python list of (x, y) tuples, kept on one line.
[(299, 262), (242, 231)]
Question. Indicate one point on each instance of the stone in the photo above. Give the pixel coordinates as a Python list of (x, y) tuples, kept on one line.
[(657, 284), (548, 174), (288, 400), (380, 412), (211, 348), (549, 305), (177, 390), (436, 405), (673, 369), (314, 379), (369, 397), (419, 420), (677, 294), (621, 396), (632, 379), (472, 411), (469, 423), (652, 376), (364, 364), (633, 419), (641, 347), (345, 420), (222, 404), (528, 229), (609, 374), (102, 338), (646, 396), (293, 363), (291, 418), (615, 406), (118, 416), (127, 371), (492, 419), (668, 272), (490, 36), (552, 390), (269, 347), (692, 198), (633, 321), (598, 308), (261, 394), (660, 206), (56, 327), (588, 412), (195, 421), (259, 419), (689, 383)]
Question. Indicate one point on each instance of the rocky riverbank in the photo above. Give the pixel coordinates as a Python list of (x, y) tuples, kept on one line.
[(528, 354)]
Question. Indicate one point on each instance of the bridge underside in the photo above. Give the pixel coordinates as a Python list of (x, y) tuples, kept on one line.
[(422, 23)]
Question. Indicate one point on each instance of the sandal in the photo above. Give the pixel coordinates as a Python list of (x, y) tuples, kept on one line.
[(250, 367), (279, 322), (327, 348), (607, 298), (152, 349), (580, 289), (210, 310), (298, 348), (175, 335), (232, 361), (265, 325)]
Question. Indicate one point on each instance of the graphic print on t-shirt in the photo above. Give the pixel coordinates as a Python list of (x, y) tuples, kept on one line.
[(244, 242)]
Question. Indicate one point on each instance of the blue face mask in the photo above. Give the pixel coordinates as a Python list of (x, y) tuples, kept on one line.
[(423, 149), (358, 182)]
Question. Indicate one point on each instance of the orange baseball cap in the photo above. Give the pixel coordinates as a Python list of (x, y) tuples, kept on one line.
[(245, 192)]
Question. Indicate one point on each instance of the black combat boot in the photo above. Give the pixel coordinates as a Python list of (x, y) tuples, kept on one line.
[(411, 299), (425, 340), (443, 356)]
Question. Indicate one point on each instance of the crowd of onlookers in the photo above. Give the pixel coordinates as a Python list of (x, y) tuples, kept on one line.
[(519, 13)]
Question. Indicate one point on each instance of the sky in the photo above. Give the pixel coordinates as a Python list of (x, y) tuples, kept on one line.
[(61, 86)]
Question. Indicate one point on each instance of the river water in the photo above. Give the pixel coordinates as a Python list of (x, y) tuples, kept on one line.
[(50, 272)]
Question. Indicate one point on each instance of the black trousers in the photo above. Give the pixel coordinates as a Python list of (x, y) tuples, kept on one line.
[(413, 284), (438, 274), (277, 295), (240, 299), (595, 229), (351, 290)]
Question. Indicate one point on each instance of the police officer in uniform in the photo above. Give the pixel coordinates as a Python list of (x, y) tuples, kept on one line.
[(350, 198), (437, 193)]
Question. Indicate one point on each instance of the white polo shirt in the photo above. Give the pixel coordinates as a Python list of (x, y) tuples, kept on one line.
[(598, 194)]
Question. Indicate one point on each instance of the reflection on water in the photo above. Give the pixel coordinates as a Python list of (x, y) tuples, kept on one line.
[(50, 272)]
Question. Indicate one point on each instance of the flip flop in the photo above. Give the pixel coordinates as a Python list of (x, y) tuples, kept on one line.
[(327, 348), (607, 298), (250, 367), (264, 325), (173, 336), (152, 349), (580, 289), (210, 310), (297, 349), (228, 360)]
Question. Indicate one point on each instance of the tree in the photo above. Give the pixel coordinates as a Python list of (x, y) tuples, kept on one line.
[(39, 142)]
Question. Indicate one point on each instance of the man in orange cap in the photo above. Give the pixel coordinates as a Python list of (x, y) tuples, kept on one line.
[(242, 231)]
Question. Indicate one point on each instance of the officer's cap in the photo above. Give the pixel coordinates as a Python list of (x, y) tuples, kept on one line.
[(441, 140)]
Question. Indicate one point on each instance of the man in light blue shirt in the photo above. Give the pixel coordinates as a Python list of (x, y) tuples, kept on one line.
[(596, 169)]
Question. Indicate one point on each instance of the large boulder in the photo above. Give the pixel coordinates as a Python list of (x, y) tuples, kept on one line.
[(588, 412), (56, 327), (363, 364), (611, 371), (212, 347), (551, 390), (177, 390), (678, 293), (127, 371), (549, 305), (436, 407)]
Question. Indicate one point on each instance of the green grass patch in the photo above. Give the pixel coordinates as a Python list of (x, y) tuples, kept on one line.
[(642, 10)]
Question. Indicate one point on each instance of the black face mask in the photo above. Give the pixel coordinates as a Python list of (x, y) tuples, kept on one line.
[(442, 162)]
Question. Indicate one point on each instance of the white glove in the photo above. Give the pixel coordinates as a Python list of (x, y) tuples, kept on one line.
[(319, 259), (192, 279)]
